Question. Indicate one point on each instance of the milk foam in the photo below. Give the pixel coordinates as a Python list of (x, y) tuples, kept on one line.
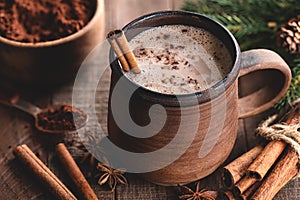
[(178, 59)]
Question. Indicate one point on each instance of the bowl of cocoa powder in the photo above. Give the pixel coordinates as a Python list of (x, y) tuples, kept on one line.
[(44, 42)]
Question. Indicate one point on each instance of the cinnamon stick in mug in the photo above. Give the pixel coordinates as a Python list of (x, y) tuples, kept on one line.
[(119, 43), (118, 51), (43, 173), (123, 44)]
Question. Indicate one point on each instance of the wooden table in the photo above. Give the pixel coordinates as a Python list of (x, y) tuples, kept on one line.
[(16, 128)]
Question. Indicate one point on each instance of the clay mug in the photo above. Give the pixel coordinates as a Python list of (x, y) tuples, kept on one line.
[(53, 62), (177, 139)]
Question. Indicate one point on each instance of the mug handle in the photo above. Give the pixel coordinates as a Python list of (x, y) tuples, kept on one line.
[(262, 97)]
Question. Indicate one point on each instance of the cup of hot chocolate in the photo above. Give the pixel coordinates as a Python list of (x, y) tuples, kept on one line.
[(43, 43), (177, 120)]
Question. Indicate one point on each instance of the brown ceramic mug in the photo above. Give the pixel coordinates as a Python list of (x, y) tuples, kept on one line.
[(171, 139)]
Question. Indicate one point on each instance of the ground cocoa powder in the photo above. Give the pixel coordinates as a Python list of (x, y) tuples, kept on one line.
[(64, 117), (43, 20)]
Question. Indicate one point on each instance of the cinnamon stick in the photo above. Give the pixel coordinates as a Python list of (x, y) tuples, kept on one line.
[(43, 173), (243, 185), (124, 46), (262, 164), (121, 47), (283, 172), (246, 195), (74, 172), (118, 51), (234, 171)]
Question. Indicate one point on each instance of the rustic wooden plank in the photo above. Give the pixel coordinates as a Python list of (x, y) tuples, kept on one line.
[(177, 4), (123, 11), (140, 189), (120, 12), (109, 16)]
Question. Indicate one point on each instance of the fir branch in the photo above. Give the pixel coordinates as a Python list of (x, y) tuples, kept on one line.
[(235, 15), (263, 10), (212, 6), (242, 26)]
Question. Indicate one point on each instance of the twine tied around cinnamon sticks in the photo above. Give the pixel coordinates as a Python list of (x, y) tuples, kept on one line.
[(261, 172), (287, 133)]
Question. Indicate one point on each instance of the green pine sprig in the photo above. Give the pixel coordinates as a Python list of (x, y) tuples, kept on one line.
[(242, 26)]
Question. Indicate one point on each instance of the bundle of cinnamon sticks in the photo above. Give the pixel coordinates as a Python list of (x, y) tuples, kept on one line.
[(261, 172)]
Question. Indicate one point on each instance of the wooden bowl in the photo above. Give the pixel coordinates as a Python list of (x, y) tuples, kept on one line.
[(54, 62)]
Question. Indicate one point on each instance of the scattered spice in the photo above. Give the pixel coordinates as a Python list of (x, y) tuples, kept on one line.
[(111, 176), (62, 118), (184, 30), (203, 194), (166, 36), (169, 60), (180, 47), (43, 20)]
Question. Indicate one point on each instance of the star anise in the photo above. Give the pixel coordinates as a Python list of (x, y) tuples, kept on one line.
[(203, 194), (91, 145), (111, 176)]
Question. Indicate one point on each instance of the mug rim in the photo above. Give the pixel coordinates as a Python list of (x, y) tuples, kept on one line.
[(97, 13), (202, 96)]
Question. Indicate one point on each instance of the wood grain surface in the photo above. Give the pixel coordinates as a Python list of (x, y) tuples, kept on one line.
[(16, 128)]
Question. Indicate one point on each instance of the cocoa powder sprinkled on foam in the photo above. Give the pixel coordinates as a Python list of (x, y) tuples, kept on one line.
[(185, 60)]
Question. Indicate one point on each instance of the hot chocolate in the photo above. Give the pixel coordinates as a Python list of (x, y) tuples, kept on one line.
[(179, 59)]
